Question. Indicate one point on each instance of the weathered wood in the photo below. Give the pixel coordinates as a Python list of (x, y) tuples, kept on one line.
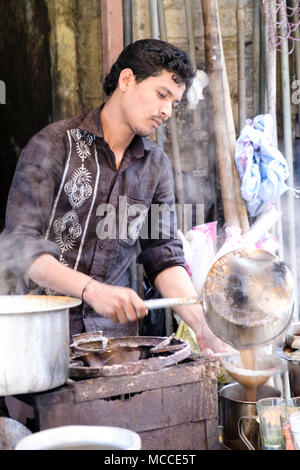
[(188, 436), (111, 32), (177, 410), (215, 73), (241, 206), (112, 386)]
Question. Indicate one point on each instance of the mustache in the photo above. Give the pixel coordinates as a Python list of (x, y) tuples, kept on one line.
[(159, 118)]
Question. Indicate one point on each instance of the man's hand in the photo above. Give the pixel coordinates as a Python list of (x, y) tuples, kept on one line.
[(210, 344), (120, 304)]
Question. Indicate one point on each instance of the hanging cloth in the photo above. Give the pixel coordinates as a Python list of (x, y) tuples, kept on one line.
[(261, 166)]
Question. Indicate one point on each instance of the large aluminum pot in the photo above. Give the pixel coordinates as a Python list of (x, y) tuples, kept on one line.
[(248, 298), (234, 405), (34, 342)]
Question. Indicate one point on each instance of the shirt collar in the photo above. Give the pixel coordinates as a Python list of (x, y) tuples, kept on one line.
[(92, 123)]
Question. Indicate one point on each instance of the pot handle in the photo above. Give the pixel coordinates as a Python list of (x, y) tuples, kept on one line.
[(241, 431), (154, 304)]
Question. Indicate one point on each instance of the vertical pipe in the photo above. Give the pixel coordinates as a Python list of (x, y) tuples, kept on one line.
[(127, 21), (295, 4), (192, 54), (270, 15), (162, 20), (155, 35), (288, 150), (154, 19), (256, 55), (263, 78), (158, 26), (173, 127), (240, 14), (190, 30)]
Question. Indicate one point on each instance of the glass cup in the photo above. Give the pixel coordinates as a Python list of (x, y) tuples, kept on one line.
[(271, 413), (292, 406), (294, 419)]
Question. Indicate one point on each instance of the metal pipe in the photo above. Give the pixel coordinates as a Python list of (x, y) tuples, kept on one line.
[(155, 35), (263, 75), (173, 127), (191, 45), (127, 21), (297, 54), (240, 15), (256, 55), (288, 151), (154, 19), (270, 14), (162, 20)]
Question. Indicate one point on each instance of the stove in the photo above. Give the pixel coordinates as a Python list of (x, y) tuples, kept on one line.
[(171, 400)]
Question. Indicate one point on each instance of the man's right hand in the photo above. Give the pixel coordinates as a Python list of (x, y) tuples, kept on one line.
[(120, 304)]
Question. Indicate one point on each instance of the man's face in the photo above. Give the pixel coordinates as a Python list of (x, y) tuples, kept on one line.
[(147, 104)]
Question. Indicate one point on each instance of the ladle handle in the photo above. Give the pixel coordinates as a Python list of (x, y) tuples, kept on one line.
[(241, 431), (155, 304)]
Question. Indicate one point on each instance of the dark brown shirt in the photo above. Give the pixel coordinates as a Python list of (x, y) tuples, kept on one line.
[(65, 201)]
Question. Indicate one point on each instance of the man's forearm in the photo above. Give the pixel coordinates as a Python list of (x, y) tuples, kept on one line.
[(46, 271), (175, 282), (120, 304)]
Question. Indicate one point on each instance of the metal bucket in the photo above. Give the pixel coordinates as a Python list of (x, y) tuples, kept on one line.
[(34, 342), (233, 405)]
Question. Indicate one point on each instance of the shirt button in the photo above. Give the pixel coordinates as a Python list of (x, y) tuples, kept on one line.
[(101, 245)]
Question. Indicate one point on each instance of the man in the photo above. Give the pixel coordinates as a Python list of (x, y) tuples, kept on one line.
[(74, 169)]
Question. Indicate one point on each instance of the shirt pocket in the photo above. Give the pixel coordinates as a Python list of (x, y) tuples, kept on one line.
[(132, 215)]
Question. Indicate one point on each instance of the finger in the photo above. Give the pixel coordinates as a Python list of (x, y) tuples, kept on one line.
[(139, 306), (208, 352), (113, 317), (130, 311), (121, 315)]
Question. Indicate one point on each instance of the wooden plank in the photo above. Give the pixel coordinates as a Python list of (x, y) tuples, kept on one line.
[(175, 375), (198, 370), (111, 32), (188, 436), (145, 411)]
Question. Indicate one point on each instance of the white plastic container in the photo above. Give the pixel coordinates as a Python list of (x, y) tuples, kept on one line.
[(82, 438)]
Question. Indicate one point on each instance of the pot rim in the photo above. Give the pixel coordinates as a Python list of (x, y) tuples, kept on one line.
[(80, 435), (42, 304), (236, 400)]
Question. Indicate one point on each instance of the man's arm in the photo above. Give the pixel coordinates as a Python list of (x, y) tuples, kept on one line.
[(175, 282), (120, 304)]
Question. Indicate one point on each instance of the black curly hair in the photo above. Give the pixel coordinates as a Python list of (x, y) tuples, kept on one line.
[(147, 58)]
